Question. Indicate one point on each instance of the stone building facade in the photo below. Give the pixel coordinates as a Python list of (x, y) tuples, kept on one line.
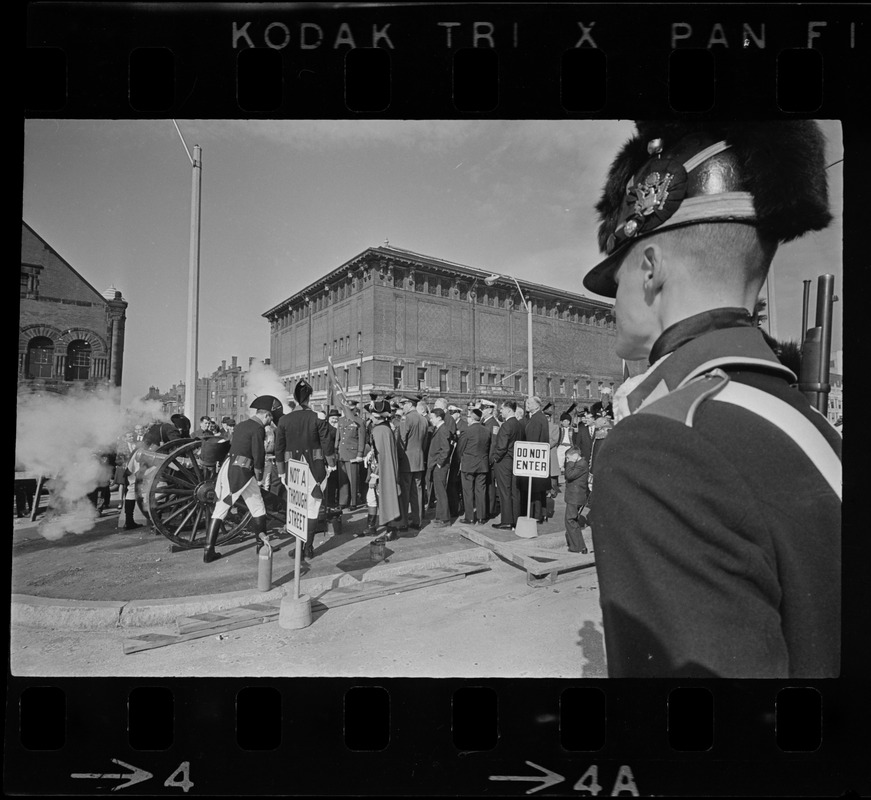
[(394, 321), (69, 335)]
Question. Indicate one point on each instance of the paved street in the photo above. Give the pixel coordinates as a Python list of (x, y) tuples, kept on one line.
[(489, 624)]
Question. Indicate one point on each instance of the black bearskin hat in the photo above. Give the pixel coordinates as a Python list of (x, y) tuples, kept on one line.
[(302, 391), (770, 174)]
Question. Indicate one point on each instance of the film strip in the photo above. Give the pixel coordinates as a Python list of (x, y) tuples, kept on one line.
[(328, 735)]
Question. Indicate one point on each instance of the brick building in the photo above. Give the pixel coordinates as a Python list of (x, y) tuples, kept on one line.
[(68, 333), (397, 321)]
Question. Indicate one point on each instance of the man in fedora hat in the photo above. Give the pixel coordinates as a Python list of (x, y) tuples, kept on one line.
[(241, 472), (718, 515), (302, 436)]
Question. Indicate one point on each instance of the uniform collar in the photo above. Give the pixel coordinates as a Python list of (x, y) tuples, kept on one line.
[(721, 332), (691, 327)]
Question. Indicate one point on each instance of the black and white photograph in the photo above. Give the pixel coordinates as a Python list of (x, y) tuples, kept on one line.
[(429, 398)]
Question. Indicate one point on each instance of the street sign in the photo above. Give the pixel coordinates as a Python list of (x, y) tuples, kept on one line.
[(299, 482), (532, 459)]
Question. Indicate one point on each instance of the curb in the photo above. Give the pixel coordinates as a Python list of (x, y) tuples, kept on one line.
[(83, 615)]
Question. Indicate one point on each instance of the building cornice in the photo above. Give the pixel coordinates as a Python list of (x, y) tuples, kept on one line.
[(386, 257)]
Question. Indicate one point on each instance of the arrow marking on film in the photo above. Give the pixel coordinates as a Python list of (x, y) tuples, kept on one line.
[(137, 776), (547, 779)]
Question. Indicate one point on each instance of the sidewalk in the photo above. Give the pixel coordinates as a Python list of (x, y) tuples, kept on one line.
[(109, 576)]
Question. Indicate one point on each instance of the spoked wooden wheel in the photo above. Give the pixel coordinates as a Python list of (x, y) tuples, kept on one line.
[(181, 498)]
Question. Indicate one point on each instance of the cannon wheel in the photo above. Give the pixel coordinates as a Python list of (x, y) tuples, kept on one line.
[(182, 496)]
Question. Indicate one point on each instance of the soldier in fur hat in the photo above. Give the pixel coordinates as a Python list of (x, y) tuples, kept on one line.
[(302, 436), (717, 516)]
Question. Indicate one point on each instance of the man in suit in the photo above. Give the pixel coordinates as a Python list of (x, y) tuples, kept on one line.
[(491, 423), (438, 464), (537, 430), (502, 462), (412, 436), (302, 436), (473, 448)]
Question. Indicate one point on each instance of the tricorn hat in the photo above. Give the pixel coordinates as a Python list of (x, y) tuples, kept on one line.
[(381, 407), (302, 391), (268, 402), (770, 174)]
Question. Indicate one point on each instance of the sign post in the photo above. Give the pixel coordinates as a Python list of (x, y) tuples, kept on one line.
[(295, 611), (531, 460)]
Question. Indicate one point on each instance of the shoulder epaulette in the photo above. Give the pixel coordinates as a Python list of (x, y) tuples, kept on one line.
[(682, 403)]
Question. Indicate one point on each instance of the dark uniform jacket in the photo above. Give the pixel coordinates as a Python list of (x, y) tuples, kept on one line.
[(302, 436), (717, 544), (474, 448), (247, 453), (350, 438), (537, 429)]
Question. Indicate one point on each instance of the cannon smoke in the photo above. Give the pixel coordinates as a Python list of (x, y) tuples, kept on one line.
[(61, 437)]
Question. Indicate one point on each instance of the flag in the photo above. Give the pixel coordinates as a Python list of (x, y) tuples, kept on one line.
[(625, 370), (335, 386)]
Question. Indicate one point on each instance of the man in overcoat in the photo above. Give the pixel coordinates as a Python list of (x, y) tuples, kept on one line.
[(473, 449), (412, 436), (502, 463)]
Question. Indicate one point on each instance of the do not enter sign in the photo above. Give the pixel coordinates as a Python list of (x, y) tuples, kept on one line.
[(532, 459)]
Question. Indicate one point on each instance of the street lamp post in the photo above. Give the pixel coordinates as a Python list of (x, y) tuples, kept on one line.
[(193, 279), (490, 281)]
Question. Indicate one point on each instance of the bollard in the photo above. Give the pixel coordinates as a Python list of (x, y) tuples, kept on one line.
[(295, 613), (264, 568)]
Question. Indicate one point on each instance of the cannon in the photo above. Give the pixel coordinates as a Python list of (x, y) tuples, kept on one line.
[(176, 491)]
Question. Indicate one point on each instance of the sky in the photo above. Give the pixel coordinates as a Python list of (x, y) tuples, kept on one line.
[(284, 202)]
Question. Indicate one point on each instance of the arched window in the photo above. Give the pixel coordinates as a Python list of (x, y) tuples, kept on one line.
[(78, 361), (40, 357)]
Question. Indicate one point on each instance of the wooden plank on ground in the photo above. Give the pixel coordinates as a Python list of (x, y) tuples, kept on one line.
[(197, 626), (536, 561)]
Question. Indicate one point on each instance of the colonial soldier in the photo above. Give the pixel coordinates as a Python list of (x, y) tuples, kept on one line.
[(718, 514), (301, 436), (473, 449), (350, 444), (241, 472)]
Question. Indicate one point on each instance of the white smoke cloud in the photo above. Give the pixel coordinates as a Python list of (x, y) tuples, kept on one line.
[(263, 379), (61, 437)]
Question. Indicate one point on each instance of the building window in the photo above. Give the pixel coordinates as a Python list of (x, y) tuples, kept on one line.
[(397, 377), (589, 392), (491, 378), (347, 377), (325, 349), (549, 384), (40, 357), (574, 388), (464, 381), (359, 340), (562, 386), (421, 378), (443, 380), (518, 383), (78, 361)]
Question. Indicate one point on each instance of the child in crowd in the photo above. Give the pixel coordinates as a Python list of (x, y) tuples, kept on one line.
[(576, 475)]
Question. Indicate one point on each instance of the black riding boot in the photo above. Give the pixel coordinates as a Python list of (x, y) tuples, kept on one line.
[(258, 527), (130, 524), (209, 553)]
